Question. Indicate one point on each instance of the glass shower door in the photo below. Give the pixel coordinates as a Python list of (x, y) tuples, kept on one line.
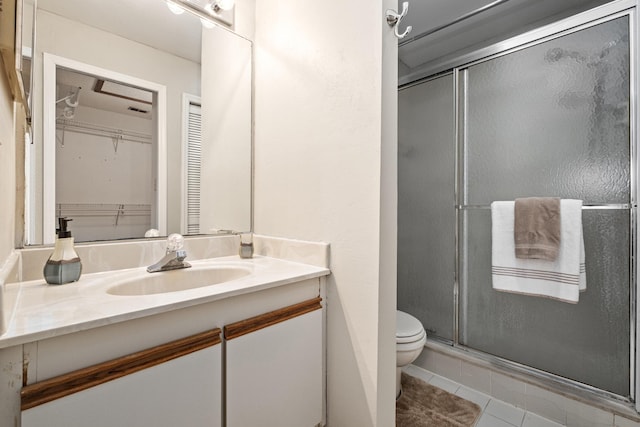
[(426, 214), (552, 119)]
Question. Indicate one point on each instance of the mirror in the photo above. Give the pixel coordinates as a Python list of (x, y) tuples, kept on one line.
[(27, 27), (166, 105)]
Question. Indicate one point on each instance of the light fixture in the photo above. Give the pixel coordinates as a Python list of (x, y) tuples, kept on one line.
[(210, 12), (174, 7), (215, 6)]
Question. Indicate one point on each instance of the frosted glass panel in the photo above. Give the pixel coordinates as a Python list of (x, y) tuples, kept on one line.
[(426, 211), (552, 119), (588, 341)]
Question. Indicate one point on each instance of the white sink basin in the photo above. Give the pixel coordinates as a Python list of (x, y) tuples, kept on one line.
[(178, 280)]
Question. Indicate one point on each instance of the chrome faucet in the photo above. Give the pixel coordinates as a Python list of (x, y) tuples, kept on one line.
[(174, 258)]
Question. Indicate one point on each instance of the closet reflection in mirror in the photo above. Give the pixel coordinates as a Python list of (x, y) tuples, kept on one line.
[(104, 134), (138, 175)]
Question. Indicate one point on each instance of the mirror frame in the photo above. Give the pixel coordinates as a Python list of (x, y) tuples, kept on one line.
[(50, 65)]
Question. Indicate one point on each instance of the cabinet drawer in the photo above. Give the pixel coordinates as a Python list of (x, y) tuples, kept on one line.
[(178, 383), (274, 372)]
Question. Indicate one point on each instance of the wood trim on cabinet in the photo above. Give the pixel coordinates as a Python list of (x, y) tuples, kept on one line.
[(82, 379), (243, 327)]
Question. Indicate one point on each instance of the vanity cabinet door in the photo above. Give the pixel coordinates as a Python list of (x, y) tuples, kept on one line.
[(176, 384), (274, 368)]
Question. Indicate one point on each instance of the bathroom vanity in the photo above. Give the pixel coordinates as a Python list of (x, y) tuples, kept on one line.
[(245, 351)]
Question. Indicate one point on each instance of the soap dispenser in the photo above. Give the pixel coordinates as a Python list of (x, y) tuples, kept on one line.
[(246, 245), (63, 266)]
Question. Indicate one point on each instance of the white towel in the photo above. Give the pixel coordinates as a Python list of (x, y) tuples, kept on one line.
[(562, 279)]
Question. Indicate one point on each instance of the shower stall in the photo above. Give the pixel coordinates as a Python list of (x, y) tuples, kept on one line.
[(548, 113)]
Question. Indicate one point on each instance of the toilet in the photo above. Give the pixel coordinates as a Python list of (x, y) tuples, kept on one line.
[(410, 340)]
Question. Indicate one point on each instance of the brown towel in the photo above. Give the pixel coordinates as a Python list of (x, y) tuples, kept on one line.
[(536, 228)]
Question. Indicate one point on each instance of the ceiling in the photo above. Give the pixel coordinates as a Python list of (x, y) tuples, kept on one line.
[(149, 22), (68, 82), (510, 18)]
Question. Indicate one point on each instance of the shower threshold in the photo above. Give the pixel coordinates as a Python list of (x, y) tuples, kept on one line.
[(445, 359)]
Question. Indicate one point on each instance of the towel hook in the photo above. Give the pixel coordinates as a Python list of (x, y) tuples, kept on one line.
[(394, 18)]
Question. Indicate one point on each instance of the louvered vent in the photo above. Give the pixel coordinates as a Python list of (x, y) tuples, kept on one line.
[(194, 155)]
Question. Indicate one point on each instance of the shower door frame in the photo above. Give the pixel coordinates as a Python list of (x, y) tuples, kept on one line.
[(458, 68)]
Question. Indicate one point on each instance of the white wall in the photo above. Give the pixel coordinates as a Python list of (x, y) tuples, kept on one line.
[(325, 171), (388, 225), (119, 174), (73, 40), (245, 18)]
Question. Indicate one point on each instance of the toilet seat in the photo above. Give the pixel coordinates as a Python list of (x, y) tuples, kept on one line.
[(411, 347), (408, 328), (410, 340)]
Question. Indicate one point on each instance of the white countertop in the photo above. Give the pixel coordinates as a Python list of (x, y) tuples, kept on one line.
[(44, 311)]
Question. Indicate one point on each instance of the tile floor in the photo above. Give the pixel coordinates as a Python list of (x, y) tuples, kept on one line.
[(495, 413)]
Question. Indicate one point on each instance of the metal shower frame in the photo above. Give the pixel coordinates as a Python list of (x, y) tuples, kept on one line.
[(456, 67)]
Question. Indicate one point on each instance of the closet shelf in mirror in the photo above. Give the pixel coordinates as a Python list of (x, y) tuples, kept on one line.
[(102, 209), (114, 134)]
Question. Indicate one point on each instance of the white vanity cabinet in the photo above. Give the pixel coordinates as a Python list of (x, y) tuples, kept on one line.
[(274, 368), (174, 384), (255, 358)]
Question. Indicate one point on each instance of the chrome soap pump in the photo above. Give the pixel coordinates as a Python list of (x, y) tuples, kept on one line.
[(63, 266)]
